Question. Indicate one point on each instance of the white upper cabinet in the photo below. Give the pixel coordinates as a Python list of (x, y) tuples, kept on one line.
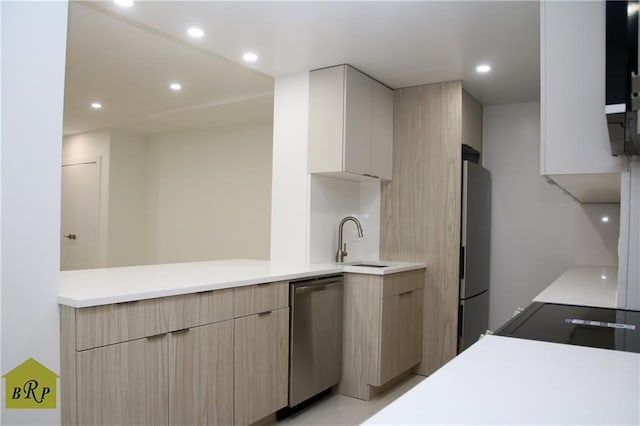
[(357, 122), (575, 150), (350, 124), (381, 131)]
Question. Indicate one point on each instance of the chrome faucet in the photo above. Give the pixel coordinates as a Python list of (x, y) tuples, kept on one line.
[(342, 249)]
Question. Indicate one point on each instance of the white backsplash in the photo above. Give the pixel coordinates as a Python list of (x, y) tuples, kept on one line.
[(595, 240), (331, 200)]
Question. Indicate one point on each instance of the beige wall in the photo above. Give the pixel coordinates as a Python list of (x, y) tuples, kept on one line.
[(128, 195), (182, 196), (210, 194)]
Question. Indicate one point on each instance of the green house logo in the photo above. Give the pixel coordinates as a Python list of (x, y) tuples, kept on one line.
[(30, 385)]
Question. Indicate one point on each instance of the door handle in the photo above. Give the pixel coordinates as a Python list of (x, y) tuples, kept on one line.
[(71, 236), (316, 287)]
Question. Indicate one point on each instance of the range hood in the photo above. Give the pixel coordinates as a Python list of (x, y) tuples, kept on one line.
[(622, 81)]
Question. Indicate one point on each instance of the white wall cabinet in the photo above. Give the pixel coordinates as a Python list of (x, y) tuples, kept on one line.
[(218, 357), (575, 151), (350, 124)]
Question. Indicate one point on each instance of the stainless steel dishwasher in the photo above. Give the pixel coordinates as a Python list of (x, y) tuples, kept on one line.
[(316, 337)]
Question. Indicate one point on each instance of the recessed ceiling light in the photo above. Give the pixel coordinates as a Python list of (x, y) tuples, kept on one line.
[(250, 57), (605, 219), (124, 3), (195, 32), (175, 86), (604, 277), (96, 105), (483, 68)]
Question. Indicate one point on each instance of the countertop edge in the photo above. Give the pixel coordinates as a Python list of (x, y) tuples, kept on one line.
[(586, 285), (66, 296), (484, 373)]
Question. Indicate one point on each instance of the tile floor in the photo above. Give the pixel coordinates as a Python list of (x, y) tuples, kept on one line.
[(338, 410)]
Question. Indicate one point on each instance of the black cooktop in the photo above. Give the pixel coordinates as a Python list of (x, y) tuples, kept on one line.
[(577, 325)]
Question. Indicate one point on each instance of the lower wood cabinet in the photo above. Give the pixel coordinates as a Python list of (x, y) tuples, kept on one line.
[(123, 384), (400, 335), (201, 361), (382, 330), (261, 365), (230, 371)]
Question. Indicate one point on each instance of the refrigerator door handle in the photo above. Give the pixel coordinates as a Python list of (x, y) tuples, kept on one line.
[(460, 319), (462, 261)]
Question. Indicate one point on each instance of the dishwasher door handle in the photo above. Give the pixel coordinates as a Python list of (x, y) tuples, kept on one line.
[(316, 287)]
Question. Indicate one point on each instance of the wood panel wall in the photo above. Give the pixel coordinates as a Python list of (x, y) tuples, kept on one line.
[(421, 206)]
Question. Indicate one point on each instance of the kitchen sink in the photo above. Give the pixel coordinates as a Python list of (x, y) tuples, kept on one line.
[(369, 265)]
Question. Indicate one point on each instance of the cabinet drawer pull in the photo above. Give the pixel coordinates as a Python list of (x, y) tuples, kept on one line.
[(405, 293), (156, 336), (130, 302), (264, 313), (182, 331)]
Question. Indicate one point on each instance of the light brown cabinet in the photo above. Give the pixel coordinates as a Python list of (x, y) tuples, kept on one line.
[(400, 335), (420, 208), (382, 330), (201, 375), (261, 365), (119, 322), (217, 357), (115, 388)]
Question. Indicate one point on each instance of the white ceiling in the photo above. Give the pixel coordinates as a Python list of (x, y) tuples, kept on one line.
[(128, 69), (399, 43)]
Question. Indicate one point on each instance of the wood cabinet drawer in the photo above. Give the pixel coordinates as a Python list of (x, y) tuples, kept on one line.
[(191, 310), (381, 286), (402, 282), (119, 322), (254, 299)]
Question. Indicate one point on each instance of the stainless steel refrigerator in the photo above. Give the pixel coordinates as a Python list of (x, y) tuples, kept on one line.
[(473, 313)]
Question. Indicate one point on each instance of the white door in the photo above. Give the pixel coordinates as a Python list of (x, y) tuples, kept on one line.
[(79, 248)]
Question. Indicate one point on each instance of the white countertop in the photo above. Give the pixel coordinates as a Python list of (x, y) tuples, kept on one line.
[(584, 285), (92, 287), (509, 381)]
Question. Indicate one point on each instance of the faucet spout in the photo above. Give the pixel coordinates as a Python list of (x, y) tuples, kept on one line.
[(342, 248)]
